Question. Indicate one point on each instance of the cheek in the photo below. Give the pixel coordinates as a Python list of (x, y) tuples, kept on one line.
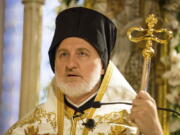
[(58, 68), (92, 67)]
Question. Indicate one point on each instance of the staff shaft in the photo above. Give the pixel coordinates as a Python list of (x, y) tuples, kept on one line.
[(145, 74)]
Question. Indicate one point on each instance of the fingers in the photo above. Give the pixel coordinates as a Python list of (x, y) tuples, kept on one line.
[(142, 105), (144, 95), (144, 113), (136, 115), (142, 108), (134, 119), (142, 102)]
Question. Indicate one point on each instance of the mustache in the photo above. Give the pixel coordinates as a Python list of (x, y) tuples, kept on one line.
[(72, 69), (72, 72)]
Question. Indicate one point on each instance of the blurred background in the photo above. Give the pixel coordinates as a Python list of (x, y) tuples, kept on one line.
[(26, 31)]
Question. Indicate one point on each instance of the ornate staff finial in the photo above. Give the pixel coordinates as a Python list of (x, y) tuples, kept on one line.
[(149, 37), (148, 51)]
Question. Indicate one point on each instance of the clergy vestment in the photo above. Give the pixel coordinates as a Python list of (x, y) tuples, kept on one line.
[(57, 117)]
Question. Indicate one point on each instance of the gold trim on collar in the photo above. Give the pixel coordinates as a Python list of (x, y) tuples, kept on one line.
[(69, 112), (100, 93)]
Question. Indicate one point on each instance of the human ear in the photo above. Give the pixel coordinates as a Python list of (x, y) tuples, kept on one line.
[(102, 71)]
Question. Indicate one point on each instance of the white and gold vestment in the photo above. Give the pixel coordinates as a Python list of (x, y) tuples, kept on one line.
[(55, 118)]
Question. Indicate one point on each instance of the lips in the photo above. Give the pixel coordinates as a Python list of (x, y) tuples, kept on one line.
[(73, 75)]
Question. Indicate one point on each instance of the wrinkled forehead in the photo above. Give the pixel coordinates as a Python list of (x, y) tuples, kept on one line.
[(73, 43)]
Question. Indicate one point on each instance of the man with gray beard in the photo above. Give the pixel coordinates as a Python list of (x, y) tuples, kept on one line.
[(84, 76)]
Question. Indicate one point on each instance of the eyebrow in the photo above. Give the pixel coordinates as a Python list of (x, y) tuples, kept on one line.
[(79, 49), (61, 49), (83, 49)]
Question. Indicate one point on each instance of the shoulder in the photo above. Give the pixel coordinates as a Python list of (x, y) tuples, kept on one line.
[(118, 87), (35, 119)]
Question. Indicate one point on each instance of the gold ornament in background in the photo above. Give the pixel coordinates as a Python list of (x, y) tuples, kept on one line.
[(115, 7), (149, 38)]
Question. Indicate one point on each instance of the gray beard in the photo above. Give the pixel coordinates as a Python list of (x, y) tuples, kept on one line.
[(83, 88)]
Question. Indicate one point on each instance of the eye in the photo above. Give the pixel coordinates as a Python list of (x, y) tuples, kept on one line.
[(63, 54), (83, 53)]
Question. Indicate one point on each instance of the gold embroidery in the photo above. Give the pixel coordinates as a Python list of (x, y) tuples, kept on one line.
[(101, 134), (37, 116), (119, 120), (121, 117), (118, 130), (31, 130)]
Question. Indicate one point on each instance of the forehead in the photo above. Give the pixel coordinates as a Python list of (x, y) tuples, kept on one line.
[(73, 43)]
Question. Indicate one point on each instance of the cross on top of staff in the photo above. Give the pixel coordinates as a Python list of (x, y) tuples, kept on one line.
[(149, 36)]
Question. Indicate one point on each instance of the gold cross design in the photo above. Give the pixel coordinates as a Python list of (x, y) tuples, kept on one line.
[(149, 37)]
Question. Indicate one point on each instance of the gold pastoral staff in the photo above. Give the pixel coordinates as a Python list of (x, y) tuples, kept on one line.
[(148, 51)]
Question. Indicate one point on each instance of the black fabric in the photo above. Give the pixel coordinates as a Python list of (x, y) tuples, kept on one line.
[(82, 108), (87, 24)]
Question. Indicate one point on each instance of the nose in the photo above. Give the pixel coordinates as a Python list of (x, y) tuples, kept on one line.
[(72, 63)]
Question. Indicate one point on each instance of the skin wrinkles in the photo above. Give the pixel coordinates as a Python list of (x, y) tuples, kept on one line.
[(144, 114), (78, 68)]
